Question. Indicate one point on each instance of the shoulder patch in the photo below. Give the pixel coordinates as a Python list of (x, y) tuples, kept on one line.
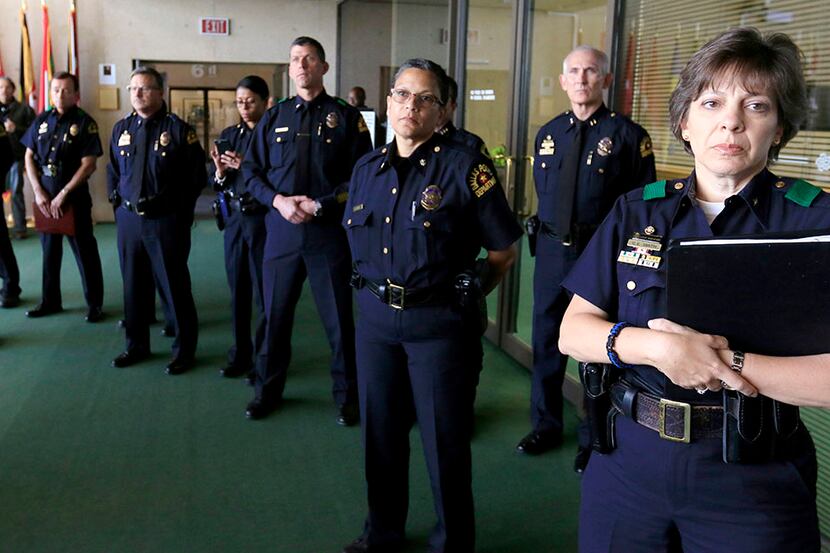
[(646, 148), (802, 192), (191, 137), (92, 128), (481, 179), (361, 124), (654, 190)]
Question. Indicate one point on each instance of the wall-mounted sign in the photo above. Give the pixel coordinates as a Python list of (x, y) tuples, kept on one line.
[(106, 74), (482, 95), (214, 26)]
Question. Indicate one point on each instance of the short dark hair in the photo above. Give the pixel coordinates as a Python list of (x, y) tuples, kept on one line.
[(151, 71), (255, 84), (8, 80), (427, 65), (308, 41), (61, 75), (769, 64), (360, 93)]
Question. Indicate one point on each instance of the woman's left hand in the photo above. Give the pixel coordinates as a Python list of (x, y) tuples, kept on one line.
[(695, 362)]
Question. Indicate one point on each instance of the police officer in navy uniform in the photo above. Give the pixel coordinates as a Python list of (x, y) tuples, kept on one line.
[(299, 164), (739, 100), (584, 159), (243, 222), (9, 272), (15, 117), (61, 150), (447, 128), (156, 170), (420, 210)]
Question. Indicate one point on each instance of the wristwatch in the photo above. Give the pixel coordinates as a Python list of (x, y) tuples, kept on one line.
[(318, 208)]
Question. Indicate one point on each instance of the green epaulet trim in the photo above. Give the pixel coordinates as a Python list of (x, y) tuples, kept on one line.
[(281, 100), (802, 192), (654, 190), (81, 111), (341, 101)]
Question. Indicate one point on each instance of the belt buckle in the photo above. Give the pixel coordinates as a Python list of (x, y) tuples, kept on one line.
[(687, 420), (394, 290)]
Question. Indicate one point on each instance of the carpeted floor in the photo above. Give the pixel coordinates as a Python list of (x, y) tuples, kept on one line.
[(96, 459)]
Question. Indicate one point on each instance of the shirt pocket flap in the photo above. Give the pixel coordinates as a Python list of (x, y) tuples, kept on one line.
[(359, 219), (636, 280)]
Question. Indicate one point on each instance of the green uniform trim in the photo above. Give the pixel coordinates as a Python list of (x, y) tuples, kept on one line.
[(281, 100), (654, 190), (803, 193), (342, 102)]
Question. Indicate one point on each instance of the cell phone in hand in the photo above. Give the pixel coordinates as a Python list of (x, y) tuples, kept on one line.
[(223, 145)]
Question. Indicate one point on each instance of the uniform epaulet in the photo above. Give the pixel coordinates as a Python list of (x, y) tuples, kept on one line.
[(654, 191), (341, 101), (802, 192), (283, 100), (81, 112)]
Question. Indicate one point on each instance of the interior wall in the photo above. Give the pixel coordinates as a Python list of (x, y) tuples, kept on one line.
[(119, 31)]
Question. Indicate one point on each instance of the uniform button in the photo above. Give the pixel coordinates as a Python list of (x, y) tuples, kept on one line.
[(427, 224), (548, 137), (437, 149), (163, 154), (349, 222), (279, 139), (383, 151), (780, 184), (601, 170), (423, 163), (328, 141), (122, 152), (649, 230), (754, 201), (678, 185), (394, 191), (388, 220), (631, 285), (544, 165), (385, 251), (53, 148)]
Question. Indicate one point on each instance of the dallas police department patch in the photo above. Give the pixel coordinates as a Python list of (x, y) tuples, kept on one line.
[(481, 180), (191, 137), (431, 197), (92, 128), (646, 148), (361, 125)]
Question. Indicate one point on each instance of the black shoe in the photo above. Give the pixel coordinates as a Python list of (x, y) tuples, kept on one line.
[(42, 310), (260, 408), (583, 455), (233, 371), (168, 331), (178, 365), (9, 301), (94, 314), (122, 323), (537, 443), (348, 414), (361, 545), (130, 357)]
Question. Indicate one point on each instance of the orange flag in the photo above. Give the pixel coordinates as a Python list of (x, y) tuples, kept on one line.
[(27, 92)]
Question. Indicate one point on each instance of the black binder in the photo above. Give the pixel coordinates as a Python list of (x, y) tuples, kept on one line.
[(766, 294)]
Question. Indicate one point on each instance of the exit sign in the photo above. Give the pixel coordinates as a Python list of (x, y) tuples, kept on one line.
[(214, 26)]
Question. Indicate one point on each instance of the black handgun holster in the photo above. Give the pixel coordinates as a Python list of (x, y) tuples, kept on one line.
[(597, 379), (755, 428), (532, 226)]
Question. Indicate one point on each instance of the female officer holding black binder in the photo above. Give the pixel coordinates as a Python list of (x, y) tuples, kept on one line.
[(740, 99)]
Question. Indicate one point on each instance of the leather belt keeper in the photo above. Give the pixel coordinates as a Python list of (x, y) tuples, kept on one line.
[(675, 421), (399, 297), (579, 236)]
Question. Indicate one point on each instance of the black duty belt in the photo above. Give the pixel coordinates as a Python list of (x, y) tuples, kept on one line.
[(579, 236), (399, 297), (673, 420)]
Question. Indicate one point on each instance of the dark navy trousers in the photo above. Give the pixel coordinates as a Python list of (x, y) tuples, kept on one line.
[(417, 365), (328, 272), (85, 248), (9, 271), (550, 300), (651, 495), (244, 247), (156, 247)]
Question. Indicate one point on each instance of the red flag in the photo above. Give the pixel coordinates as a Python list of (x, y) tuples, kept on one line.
[(72, 51), (2, 72), (47, 64), (628, 79), (28, 92)]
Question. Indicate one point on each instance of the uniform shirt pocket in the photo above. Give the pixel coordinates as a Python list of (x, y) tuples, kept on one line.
[(359, 231), (642, 293), (430, 238), (278, 148)]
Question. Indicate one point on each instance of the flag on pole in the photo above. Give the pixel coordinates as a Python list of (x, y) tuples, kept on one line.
[(47, 64), (27, 91), (2, 72), (72, 51)]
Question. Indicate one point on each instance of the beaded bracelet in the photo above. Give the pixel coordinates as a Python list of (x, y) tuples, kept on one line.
[(609, 345)]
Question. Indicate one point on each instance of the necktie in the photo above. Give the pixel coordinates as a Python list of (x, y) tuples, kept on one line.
[(567, 182), (302, 184), (139, 163)]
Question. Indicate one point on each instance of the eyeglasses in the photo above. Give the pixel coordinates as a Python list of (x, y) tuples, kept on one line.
[(402, 96), (245, 103), (142, 89)]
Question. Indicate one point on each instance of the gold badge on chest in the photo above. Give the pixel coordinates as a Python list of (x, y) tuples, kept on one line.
[(164, 139), (125, 139), (604, 146), (332, 120), (431, 197)]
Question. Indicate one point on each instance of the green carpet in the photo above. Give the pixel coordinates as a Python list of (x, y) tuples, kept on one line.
[(96, 459)]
